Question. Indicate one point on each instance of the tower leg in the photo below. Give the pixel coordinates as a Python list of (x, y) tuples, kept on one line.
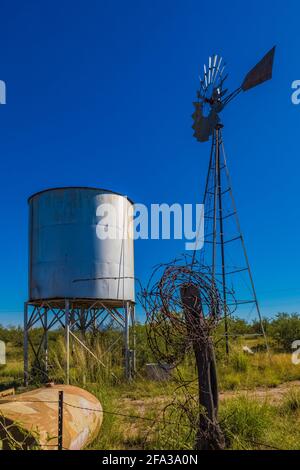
[(26, 375), (219, 191)]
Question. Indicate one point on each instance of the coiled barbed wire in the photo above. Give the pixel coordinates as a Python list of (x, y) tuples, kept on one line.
[(183, 306), (165, 310)]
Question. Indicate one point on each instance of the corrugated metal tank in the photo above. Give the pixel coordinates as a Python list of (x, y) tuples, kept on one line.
[(66, 257)]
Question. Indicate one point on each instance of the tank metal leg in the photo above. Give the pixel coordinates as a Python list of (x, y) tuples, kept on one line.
[(65, 314), (133, 340), (26, 344), (67, 340), (126, 341), (46, 339)]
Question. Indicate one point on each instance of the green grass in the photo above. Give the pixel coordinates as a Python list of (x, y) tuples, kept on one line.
[(12, 369), (259, 370), (252, 424), (291, 402), (142, 427), (244, 422), (11, 374)]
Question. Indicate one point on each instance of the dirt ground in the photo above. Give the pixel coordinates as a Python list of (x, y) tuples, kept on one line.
[(273, 395), (138, 432)]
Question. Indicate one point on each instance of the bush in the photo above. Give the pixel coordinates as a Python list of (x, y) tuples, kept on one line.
[(285, 329)]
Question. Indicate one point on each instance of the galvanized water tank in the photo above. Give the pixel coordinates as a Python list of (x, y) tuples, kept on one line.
[(67, 259)]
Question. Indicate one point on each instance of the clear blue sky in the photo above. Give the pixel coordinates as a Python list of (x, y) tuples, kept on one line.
[(100, 93)]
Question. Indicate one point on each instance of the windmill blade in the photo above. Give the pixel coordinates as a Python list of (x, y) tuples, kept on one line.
[(209, 69), (214, 68), (261, 72), (218, 69), (205, 75)]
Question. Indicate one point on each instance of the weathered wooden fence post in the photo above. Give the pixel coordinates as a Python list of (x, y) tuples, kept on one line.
[(60, 419)]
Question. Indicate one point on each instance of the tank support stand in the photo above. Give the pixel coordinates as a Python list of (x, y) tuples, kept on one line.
[(73, 316)]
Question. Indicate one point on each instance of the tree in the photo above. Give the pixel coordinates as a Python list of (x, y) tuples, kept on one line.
[(285, 329)]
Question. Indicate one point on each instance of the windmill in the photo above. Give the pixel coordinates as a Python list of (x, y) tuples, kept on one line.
[(222, 227)]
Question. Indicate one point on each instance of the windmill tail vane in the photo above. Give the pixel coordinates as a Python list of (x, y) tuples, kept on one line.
[(261, 72)]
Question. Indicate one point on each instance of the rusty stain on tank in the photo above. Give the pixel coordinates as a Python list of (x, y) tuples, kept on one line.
[(34, 414)]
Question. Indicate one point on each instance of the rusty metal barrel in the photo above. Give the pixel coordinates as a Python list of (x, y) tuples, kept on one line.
[(30, 419)]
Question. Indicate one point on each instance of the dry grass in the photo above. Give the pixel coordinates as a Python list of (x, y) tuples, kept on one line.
[(258, 370)]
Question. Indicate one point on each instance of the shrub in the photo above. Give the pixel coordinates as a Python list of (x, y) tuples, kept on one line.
[(285, 329)]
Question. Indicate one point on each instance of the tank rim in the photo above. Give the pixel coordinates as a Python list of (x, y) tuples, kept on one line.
[(108, 191), (117, 303)]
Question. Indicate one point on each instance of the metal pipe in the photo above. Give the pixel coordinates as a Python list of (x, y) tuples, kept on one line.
[(214, 249), (46, 338), (26, 370), (133, 340), (126, 341), (67, 340)]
